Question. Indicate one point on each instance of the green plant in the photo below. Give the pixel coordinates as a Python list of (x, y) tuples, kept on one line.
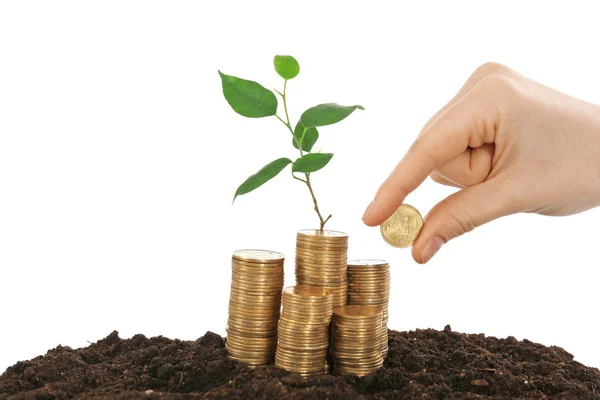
[(252, 100)]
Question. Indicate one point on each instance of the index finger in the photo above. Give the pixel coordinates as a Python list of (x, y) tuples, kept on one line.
[(470, 121)]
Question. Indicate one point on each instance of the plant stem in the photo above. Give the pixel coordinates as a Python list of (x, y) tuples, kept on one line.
[(287, 117), (298, 179), (307, 181), (312, 193)]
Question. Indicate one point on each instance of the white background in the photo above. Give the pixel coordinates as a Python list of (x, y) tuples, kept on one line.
[(119, 158)]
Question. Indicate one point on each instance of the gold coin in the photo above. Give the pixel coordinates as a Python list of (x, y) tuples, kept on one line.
[(267, 272), (285, 337), (289, 347), (305, 368), (365, 295), (315, 262), (304, 246), (310, 292), (357, 312), (296, 356), (321, 299), (322, 262), (243, 345), (356, 344), (350, 369), (402, 228), (258, 285), (319, 279), (356, 365), (380, 280), (380, 287), (301, 360), (383, 274), (369, 278), (310, 368), (326, 282), (367, 263), (308, 309), (339, 269), (332, 251), (372, 291), (308, 305), (258, 255), (251, 357), (323, 233), (334, 255), (302, 340), (322, 317), (359, 359), (257, 293), (301, 357), (261, 307), (251, 362), (310, 315), (250, 332), (257, 263), (253, 316), (249, 341), (317, 334), (355, 339), (252, 326), (299, 329), (320, 275)]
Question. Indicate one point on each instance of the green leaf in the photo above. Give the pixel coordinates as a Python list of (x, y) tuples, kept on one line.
[(266, 173), (308, 137), (311, 162), (326, 114), (286, 66), (248, 98)]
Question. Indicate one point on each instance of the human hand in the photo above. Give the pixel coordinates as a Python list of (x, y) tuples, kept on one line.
[(511, 145)]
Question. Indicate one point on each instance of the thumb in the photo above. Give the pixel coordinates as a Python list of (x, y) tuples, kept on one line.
[(460, 213)]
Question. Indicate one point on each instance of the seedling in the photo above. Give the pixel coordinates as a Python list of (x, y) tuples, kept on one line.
[(252, 100)]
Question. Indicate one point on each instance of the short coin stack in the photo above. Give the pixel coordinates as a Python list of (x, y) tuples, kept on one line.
[(254, 305), (369, 285), (355, 342), (321, 260), (303, 331)]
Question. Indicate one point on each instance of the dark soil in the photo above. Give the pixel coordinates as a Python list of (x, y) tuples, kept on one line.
[(424, 364)]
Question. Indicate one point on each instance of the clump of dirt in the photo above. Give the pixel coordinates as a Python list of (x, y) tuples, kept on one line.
[(422, 364)]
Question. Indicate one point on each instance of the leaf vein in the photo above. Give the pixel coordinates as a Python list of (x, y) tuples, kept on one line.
[(249, 98)]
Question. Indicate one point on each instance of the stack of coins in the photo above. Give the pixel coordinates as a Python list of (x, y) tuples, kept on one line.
[(254, 305), (355, 341), (369, 285), (303, 330), (321, 260)]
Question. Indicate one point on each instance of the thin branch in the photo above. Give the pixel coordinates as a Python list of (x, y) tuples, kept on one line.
[(299, 145), (299, 179)]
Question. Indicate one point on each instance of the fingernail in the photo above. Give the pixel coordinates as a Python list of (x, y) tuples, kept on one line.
[(435, 243), (368, 211)]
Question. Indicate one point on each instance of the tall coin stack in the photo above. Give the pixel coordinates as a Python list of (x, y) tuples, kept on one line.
[(355, 342), (321, 260), (303, 331), (254, 305), (369, 285)]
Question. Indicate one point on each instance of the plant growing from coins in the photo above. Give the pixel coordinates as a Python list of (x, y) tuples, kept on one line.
[(252, 100)]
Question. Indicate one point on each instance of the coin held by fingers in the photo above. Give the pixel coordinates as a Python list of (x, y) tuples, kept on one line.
[(402, 228)]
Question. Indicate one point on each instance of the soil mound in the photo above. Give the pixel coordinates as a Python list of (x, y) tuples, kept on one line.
[(422, 364)]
